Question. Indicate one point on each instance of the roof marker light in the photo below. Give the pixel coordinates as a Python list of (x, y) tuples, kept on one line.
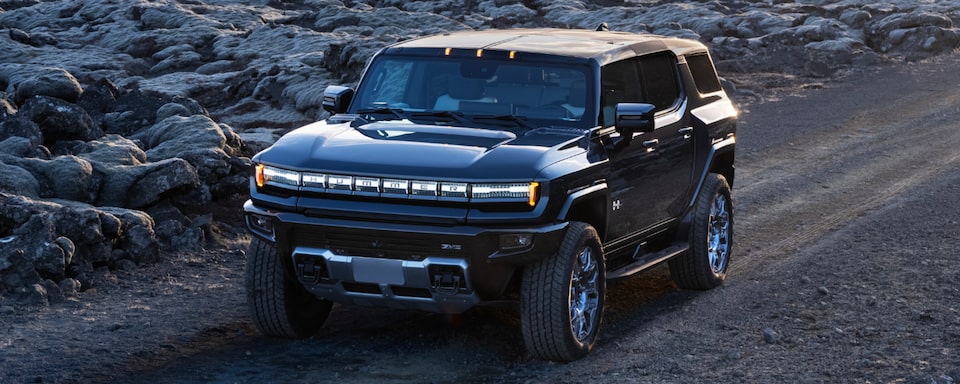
[(513, 55), (479, 53), (446, 51)]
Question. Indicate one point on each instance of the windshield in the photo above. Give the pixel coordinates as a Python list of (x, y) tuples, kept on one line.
[(476, 91)]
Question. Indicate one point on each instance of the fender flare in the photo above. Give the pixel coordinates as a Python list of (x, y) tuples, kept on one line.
[(573, 198), (598, 188), (718, 148)]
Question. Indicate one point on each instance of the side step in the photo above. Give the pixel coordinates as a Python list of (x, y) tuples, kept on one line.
[(648, 260)]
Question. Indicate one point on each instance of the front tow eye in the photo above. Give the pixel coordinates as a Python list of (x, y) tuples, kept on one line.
[(447, 281), (310, 269)]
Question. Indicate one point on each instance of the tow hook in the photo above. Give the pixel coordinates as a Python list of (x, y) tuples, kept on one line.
[(447, 280), (310, 269)]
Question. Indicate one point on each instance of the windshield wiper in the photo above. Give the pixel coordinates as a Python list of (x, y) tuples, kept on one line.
[(453, 115), (396, 112), (520, 121)]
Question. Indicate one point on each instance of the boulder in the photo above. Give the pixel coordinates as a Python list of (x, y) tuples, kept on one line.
[(99, 98), (27, 81), (177, 134), (17, 181), (50, 240), (162, 177), (21, 127), (37, 240), (21, 147), (111, 150), (172, 109), (16, 272), (63, 177), (59, 120), (138, 186), (140, 244), (913, 35)]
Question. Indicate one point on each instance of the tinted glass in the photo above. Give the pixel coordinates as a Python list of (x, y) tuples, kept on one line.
[(546, 93), (704, 75), (660, 80), (619, 83)]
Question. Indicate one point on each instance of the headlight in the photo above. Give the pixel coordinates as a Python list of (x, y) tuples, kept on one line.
[(506, 192), (267, 175)]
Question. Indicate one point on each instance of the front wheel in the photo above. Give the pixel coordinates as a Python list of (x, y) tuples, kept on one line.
[(704, 266), (562, 297), (279, 305)]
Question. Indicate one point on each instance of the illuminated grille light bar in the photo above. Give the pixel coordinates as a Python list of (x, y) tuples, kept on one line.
[(398, 188), (423, 189), (366, 186), (339, 183), (454, 190), (314, 180)]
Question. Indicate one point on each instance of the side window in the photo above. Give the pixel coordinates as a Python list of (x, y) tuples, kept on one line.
[(704, 75), (619, 83), (660, 83)]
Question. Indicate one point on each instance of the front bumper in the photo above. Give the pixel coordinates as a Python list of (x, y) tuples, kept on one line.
[(436, 268)]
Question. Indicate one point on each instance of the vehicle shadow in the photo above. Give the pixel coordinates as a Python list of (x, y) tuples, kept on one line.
[(368, 344)]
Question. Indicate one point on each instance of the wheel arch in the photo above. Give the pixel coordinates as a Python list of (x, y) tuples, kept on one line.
[(720, 160), (722, 163), (588, 205)]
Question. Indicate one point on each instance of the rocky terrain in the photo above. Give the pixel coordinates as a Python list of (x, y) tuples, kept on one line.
[(126, 129), (126, 126)]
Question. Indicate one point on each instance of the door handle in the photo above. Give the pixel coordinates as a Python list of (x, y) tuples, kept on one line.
[(650, 143)]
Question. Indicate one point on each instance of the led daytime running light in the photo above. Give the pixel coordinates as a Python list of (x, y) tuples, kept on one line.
[(397, 188)]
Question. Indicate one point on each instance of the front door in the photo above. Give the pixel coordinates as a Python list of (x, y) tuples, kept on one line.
[(651, 176)]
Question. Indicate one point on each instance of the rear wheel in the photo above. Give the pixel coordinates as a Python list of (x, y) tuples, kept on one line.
[(279, 305), (562, 297), (704, 266)]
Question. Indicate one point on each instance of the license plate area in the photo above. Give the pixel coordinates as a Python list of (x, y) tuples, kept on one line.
[(378, 271)]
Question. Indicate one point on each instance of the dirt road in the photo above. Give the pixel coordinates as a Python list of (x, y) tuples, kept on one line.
[(845, 271)]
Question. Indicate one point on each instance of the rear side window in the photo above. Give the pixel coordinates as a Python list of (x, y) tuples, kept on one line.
[(704, 75), (660, 86)]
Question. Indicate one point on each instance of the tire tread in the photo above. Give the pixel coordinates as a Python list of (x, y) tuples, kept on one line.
[(691, 269), (270, 297), (545, 303)]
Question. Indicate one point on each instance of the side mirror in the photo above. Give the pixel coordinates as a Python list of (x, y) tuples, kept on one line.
[(337, 98), (634, 117)]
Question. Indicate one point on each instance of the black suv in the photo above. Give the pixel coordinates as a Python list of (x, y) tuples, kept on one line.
[(530, 165)]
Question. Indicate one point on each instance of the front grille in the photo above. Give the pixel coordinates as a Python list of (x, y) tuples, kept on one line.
[(401, 246)]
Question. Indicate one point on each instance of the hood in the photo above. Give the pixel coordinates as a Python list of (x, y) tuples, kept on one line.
[(406, 150)]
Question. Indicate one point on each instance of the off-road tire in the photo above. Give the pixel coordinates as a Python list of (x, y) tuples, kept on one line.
[(548, 293), (704, 265), (278, 304)]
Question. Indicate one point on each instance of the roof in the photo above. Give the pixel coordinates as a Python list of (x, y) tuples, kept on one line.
[(603, 46)]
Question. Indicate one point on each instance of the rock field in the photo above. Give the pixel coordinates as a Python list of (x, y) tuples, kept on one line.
[(126, 126)]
